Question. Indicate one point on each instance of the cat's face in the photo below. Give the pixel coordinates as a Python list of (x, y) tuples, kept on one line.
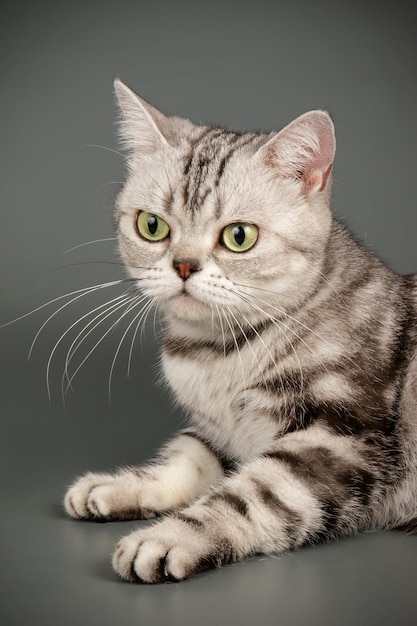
[(213, 221)]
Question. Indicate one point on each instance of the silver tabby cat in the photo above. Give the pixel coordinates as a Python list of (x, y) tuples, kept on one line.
[(292, 349)]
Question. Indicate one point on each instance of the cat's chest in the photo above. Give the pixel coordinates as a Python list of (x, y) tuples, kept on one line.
[(205, 386), (214, 391)]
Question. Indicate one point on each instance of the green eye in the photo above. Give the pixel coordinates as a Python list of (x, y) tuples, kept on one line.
[(152, 227), (239, 237)]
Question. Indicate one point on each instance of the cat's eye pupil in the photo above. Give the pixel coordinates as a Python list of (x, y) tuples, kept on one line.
[(239, 235), (152, 224), (151, 227)]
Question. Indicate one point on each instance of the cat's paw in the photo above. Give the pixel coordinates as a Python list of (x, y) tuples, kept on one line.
[(78, 500), (103, 496), (170, 550)]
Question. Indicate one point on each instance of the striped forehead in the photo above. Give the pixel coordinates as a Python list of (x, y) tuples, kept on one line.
[(205, 163)]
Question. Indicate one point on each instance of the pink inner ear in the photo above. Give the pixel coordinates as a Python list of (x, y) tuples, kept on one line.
[(318, 178), (318, 170), (304, 150)]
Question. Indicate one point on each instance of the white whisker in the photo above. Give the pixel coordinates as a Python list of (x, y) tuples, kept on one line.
[(155, 332), (280, 325), (277, 370), (238, 350), (87, 243), (93, 323), (68, 331), (93, 145), (148, 310), (138, 302), (96, 346), (222, 330), (288, 316), (112, 182), (143, 314), (249, 343), (85, 290), (264, 345)]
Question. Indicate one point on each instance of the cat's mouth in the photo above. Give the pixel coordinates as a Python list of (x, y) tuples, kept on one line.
[(187, 298), (187, 293), (188, 306)]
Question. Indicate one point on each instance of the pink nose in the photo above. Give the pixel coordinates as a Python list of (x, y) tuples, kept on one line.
[(184, 269)]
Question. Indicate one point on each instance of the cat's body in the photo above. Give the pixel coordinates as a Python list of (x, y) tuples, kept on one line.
[(292, 348)]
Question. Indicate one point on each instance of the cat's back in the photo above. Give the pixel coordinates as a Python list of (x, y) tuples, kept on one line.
[(386, 303), (409, 399)]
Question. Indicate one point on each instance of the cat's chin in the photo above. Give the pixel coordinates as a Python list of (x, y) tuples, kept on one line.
[(186, 307)]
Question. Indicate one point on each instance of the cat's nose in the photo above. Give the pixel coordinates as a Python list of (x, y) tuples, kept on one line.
[(184, 269)]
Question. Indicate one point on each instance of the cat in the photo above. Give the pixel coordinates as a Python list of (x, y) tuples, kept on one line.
[(291, 347)]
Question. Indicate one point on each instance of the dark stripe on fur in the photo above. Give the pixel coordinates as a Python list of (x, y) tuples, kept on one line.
[(197, 161), (223, 554), (341, 419), (406, 340), (270, 499), (293, 521), (189, 161), (236, 141), (332, 481), (193, 349), (410, 527), (188, 519), (232, 139), (232, 500), (205, 165)]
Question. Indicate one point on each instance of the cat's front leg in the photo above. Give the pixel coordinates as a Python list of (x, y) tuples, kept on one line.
[(224, 527), (184, 470), (290, 496)]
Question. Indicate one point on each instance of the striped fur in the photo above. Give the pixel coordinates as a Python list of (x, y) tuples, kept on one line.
[(295, 360)]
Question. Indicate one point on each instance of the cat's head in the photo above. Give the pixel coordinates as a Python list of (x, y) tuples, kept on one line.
[(210, 220)]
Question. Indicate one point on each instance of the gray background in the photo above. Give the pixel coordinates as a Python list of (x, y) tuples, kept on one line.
[(245, 65)]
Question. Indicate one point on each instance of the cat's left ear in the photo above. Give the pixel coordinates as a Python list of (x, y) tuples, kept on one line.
[(304, 150)]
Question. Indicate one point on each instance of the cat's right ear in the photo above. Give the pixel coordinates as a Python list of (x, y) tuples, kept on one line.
[(304, 150), (141, 124)]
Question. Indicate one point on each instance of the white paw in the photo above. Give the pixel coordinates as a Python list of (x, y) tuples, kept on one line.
[(170, 550), (103, 496), (78, 500)]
